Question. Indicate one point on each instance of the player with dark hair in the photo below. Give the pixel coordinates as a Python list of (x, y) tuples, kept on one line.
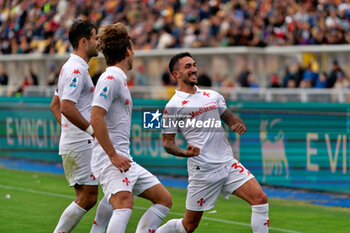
[(211, 166), (71, 106), (112, 164)]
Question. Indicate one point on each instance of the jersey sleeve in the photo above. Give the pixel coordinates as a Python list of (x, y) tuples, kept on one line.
[(74, 84), (221, 103), (56, 92), (168, 120), (106, 91)]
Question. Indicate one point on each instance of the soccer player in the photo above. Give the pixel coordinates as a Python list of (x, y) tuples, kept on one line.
[(111, 163), (211, 167), (71, 106)]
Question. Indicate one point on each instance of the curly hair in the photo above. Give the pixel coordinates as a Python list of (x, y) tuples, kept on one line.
[(114, 41)]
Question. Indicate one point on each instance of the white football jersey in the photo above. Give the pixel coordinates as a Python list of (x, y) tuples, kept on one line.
[(197, 118), (113, 95), (75, 84)]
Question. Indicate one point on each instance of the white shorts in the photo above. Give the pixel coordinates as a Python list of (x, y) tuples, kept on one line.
[(77, 168), (204, 187), (136, 180)]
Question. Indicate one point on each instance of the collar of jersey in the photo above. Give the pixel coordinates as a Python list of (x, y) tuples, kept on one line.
[(117, 69), (185, 94), (80, 60)]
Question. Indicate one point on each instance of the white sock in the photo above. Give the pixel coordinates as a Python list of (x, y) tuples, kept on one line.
[(152, 218), (172, 226), (70, 218), (119, 220), (260, 218), (103, 214)]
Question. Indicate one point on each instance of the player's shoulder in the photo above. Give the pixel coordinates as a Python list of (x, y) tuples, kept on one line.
[(173, 102), (71, 68), (109, 76), (211, 93)]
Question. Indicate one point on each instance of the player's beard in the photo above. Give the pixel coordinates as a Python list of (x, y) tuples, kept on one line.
[(188, 80), (92, 51)]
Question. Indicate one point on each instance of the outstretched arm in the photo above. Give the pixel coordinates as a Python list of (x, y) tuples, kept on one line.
[(171, 148), (234, 122)]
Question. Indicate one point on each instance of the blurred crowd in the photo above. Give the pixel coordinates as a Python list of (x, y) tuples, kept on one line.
[(300, 77), (42, 25)]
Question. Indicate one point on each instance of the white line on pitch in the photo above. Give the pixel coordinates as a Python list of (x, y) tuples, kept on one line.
[(141, 208)]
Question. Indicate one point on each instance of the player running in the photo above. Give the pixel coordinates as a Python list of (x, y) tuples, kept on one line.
[(111, 162), (211, 167), (71, 106)]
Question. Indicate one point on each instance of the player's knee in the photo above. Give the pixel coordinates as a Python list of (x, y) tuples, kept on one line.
[(123, 200), (166, 201), (260, 199), (191, 227)]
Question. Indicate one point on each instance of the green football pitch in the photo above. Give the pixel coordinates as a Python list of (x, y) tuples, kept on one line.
[(33, 202)]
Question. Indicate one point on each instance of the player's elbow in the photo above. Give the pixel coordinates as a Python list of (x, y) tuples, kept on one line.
[(53, 108), (167, 147)]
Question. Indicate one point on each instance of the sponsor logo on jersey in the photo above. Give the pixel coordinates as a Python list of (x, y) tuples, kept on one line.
[(74, 82), (203, 110), (184, 102), (76, 71), (104, 92), (92, 89), (110, 77)]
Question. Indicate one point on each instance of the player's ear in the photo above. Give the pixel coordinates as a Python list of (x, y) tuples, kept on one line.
[(175, 73), (83, 42), (128, 52)]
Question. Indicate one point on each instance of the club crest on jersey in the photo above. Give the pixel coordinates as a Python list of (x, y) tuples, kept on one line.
[(74, 82), (104, 92)]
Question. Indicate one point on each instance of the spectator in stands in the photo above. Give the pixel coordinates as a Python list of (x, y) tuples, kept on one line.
[(243, 76), (140, 76), (287, 76), (291, 83), (298, 76), (274, 81), (203, 79), (342, 81), (310, 76), (164, 24), (166, 79), (251, 81), (321, 82), (25, 83), (3, 76), (52, 77), (335, 73), (34, 78)]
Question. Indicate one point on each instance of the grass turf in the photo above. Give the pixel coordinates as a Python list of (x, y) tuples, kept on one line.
[(38, 199)]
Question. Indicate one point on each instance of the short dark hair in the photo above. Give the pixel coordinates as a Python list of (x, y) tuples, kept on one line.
[(114, 42), (175, 60), (80, 29)]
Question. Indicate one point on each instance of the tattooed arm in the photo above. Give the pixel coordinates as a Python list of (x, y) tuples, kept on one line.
[(171, 148), (234, 122)]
